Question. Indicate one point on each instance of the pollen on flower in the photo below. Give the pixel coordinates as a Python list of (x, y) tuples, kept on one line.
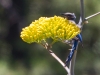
[(49, 27)]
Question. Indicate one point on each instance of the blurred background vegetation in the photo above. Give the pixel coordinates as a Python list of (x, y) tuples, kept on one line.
[(20, 58)]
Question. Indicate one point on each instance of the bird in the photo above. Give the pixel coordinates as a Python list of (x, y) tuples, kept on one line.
[(74, 42)]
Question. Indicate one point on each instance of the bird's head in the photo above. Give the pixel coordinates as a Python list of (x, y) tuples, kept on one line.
[(69, 16)]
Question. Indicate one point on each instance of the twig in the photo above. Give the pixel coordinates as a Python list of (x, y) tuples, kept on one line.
[(59, 60), (85, 20), (92, 15), (47, 47)]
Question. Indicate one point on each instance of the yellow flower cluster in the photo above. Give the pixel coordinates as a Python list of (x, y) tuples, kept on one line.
[(57, 28)]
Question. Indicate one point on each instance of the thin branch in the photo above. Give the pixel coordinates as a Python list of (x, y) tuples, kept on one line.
[(80, 24), (82, 9), (92, 15), (59, 60), (47, 47)]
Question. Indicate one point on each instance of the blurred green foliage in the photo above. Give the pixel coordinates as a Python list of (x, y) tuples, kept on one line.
[(20, 58)]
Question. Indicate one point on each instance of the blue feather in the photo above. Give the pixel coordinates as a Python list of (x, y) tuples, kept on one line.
[(79, 37), (72, 51), (75, 43)]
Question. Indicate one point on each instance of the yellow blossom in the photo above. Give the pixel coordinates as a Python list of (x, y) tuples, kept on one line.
[(57, 28)]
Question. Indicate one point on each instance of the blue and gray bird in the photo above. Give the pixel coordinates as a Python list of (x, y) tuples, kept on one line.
[(73, 42)]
